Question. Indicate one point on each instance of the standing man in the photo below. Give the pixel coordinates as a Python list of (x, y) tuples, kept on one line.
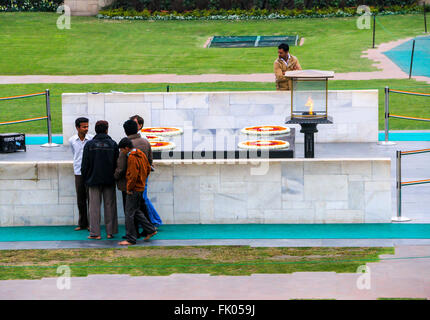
[(98, 167), (138, 170), (77, 143), (140, 122), (285, 62)]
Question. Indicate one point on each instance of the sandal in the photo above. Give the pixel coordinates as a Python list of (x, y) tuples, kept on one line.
[(94, 237), (109, 236), (150, 236)]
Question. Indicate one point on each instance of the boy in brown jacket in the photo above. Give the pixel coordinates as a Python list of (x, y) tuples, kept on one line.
[(138, 170)]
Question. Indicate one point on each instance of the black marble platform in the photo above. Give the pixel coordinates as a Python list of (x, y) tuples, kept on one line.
[(222, 144)]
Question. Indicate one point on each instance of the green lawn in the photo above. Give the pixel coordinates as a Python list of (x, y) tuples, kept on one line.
[(163, 261), (33, 107), (30, 43)]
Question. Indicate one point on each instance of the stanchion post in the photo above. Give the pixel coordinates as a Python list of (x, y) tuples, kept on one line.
[(168, 88), (48, 120), (425, 18), (399, 217), (412, 59), (374, 29), (386, 119), (399, 183)]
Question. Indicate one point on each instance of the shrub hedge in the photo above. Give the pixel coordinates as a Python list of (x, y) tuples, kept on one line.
[(190, 5), (253, 14), (30, 5)]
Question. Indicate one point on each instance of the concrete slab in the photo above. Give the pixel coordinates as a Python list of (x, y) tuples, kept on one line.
[(416, 202)]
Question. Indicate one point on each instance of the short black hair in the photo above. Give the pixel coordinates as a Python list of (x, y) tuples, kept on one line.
[(101, 126), (80, 120), (130, 127), (284, 46), (139, 119), (125, 143)]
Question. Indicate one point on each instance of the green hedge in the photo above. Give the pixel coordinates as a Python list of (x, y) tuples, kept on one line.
[(190, 5), (30, 5), (254, 14)]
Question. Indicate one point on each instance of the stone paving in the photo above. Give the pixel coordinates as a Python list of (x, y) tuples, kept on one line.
[(403, 275)]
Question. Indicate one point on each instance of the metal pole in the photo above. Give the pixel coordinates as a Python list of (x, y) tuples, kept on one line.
[(48, 120), (374, 29), (386, 118), (386, 112), (399, 183), (399, 217), (412, 58), (425, 18), (168, 89)]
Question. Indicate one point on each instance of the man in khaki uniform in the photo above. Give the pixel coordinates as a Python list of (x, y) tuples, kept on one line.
[(285, 62)]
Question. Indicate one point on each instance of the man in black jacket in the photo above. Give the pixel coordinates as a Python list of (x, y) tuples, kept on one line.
[(98, 166)]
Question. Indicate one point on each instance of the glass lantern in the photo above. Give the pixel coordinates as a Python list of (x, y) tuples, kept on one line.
[(309, 93)]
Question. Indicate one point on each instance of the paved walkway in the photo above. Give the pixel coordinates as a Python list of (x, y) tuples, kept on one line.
[(399, 276), (389, 70)]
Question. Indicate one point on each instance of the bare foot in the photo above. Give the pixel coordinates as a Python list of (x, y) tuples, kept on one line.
[(94, 237), (125, 243), (79, 228), (109, 236), (150, 236)]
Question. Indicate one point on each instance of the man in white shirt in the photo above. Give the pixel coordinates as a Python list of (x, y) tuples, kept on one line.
[(77, 143)]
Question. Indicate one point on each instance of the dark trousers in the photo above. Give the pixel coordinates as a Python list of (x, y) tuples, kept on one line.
[(82, 197), (110, 214), (143, 208), (134, 213)]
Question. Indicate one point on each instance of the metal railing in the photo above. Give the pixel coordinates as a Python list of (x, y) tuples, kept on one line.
[(388, 115), (47, 117), (400, 184)]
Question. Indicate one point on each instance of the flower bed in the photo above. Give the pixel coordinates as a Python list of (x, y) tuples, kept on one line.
[(120, 14)]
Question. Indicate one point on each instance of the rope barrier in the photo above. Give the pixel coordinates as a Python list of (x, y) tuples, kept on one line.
[(24, 120), (387, 114), (411, 93), (23, 96), (47, 117), (408, 118), (409, 183), (399, 182), (414, 151)]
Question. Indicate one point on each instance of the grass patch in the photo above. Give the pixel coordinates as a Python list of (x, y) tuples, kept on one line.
[(33, 44), (33, 107), (157, 261)]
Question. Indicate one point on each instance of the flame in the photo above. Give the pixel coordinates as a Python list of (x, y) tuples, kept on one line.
[(310, 104)]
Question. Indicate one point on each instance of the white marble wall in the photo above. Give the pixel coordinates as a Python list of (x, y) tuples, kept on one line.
[(268, 191), (355, 112)]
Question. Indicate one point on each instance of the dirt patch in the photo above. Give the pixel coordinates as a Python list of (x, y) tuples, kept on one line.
[(186, 252), (311, 256)]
